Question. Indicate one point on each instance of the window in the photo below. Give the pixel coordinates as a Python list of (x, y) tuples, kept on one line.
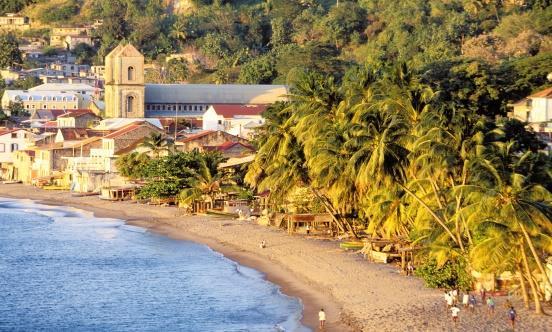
[(163, 107), (195, 108), (158, 107), (130, 104), (174, 107), (180, 107), (2, 147), (14, 147), (14, 135), (130, 73), (147, 107), (219, 122)]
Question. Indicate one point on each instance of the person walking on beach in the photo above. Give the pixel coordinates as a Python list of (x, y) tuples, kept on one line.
[(450, 300), (473, 302), (322, 318), (490, 306), (465, 299), (262, 245), (512, 315), (308, 229), (455, 310)]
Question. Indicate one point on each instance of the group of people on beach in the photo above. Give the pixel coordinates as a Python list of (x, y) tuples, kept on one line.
[(469, 302)]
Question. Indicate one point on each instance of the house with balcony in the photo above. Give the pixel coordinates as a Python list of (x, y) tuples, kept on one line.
[(90, 172)]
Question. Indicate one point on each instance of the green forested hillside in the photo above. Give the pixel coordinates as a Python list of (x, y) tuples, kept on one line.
[(490, 44)]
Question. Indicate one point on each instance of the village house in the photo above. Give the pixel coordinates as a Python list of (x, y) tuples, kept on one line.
[(11, 141), (536, 111), (89, 172), (13, 22), (234, 119), (232, 149), (78, 119), (22, 169), (207, 138), (70, 69), (69, 37)]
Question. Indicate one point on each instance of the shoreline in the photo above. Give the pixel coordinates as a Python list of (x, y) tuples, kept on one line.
[(311, 298), (357, 295)]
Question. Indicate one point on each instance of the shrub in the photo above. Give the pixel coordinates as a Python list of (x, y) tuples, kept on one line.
[(450, 275)]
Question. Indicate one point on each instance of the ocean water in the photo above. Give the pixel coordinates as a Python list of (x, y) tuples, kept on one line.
[(61, 269)]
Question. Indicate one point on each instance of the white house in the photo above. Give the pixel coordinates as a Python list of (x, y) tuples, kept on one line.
[(536, 110), (46, 100), (11, 140), (234, 119)]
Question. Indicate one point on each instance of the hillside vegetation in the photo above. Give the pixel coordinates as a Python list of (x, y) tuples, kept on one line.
[(485, 43)]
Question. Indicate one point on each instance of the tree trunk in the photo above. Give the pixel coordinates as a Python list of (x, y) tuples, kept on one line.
[(330, 209), (534, 251), (538, 307), (433, 214), (522, 284)]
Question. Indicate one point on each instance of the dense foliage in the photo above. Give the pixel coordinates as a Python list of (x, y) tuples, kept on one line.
[(171, 174), (488, 53), (389, 156)]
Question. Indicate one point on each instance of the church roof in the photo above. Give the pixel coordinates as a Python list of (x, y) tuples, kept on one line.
[(214, 93), (125, 51)]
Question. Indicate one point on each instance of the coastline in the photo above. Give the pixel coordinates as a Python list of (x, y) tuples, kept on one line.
[(312, 299), (357, 295)]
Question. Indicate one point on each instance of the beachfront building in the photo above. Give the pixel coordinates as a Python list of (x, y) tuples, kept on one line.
[(229, 145), (11, 141), (89, 172), (14, 22)]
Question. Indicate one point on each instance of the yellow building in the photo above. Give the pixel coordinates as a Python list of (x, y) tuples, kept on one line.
[(14, 22), (124, 83)]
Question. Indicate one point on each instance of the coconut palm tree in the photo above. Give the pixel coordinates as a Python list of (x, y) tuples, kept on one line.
[(157, 143), (205, 184)]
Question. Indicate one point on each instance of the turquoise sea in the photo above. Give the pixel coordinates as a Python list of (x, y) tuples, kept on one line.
[(61, 269)]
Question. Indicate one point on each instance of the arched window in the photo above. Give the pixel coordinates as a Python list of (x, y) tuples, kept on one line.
[(130, 73), (130, 104)]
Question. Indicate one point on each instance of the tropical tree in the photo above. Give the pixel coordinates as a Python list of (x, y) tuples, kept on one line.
[(157, 143)]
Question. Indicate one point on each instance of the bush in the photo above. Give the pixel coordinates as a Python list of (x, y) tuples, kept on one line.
[(450, 275)]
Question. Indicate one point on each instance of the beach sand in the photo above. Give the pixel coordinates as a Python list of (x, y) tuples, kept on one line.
[(357, 295)]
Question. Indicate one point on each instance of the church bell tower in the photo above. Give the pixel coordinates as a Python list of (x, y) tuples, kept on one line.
[(124, 83)]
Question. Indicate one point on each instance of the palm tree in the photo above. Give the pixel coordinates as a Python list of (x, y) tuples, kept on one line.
[(204, 185), (503, 193), (156, 143)]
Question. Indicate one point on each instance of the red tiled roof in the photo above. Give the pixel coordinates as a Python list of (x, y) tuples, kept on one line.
[(73, 134), (4, 131), (76, 113), (196, 136), (50, 124), (227, 145), (230, 110), (130, 127), (542, 94)]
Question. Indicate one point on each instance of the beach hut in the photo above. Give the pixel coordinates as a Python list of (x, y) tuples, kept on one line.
[(122, 193)]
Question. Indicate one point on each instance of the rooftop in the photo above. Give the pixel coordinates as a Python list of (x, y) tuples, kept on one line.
[(215, 93), (546, 93), (230, 111), (63, 87)]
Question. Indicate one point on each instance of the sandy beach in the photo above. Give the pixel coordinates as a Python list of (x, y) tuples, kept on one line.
[(357, 295)]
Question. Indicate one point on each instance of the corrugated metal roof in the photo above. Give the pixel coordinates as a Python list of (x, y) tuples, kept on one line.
[(63, 87), (214, 93)]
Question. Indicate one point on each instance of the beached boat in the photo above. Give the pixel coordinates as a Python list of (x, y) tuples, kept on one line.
[(10, 182), (76, 194), (352, 245)]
